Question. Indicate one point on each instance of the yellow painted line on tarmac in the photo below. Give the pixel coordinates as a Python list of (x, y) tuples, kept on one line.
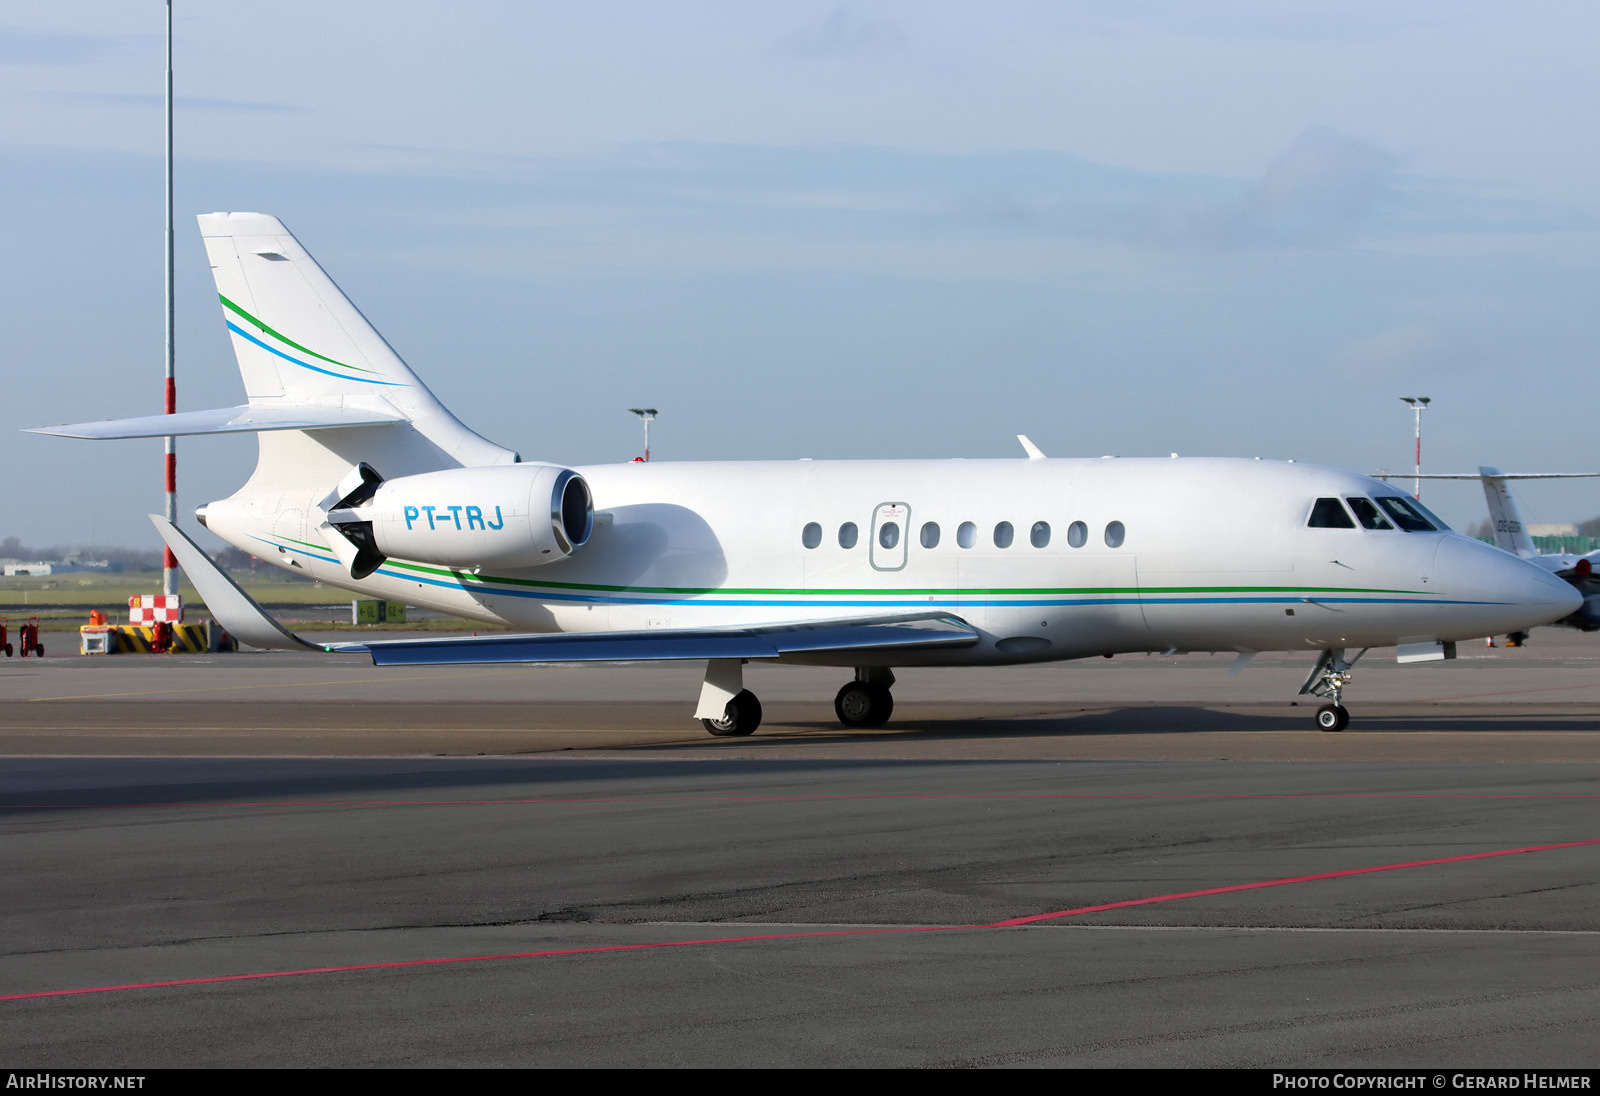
[(279, 685)]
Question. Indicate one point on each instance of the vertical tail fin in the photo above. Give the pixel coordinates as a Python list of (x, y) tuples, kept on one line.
[(1510, 531), (299, 340)]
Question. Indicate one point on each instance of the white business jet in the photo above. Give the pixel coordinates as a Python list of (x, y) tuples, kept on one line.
[(1511, 535), (367, 482)]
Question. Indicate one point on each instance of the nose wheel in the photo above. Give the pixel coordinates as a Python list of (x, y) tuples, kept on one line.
[(1328, 679), (1333, 717)]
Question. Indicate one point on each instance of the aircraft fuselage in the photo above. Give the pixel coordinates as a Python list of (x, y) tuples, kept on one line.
[(1049, 559)]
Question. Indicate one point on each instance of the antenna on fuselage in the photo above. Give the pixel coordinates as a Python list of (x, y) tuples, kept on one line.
[(1033, 451)]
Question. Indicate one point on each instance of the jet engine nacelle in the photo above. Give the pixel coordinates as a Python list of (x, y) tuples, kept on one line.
[(515, 515)]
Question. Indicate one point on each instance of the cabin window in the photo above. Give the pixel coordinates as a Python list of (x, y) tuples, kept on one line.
[(1115, 535), (1406, 514), (1330, 514), (930, 534), (811, 535), (1039, 535), (1367, 514), (1003, 533), (967, 534), (889, 534), (848, 533), (1077, 534)]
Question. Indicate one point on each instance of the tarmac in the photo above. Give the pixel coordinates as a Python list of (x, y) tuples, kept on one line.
[(285, 860)]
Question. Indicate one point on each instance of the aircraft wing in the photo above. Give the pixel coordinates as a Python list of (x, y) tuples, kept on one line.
[(245, 419), (749, 641), (246, 620)]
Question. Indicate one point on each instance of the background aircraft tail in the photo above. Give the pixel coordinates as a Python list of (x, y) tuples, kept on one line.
[(1505, 516)]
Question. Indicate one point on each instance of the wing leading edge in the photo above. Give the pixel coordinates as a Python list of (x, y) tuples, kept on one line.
[(749, 641), (243, 618)]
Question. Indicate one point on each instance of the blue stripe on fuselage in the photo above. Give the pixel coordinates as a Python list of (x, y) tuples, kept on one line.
[(918, 602)]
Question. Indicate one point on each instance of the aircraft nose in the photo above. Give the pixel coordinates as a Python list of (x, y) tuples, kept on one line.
[(1510, 594)]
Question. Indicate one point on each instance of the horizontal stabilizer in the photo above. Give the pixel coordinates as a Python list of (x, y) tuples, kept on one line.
[(244, 419), (1484, 475), (756, 641)]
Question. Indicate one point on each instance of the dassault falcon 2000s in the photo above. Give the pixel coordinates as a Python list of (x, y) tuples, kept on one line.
[(367, 482)]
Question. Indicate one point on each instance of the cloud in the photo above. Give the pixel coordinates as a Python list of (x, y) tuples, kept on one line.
[(1322, 190), (184, 102), (1326, 180), (21, 46), (842, 34), (1418, 350)]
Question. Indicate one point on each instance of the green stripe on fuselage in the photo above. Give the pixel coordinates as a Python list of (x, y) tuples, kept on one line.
[(468, 579)]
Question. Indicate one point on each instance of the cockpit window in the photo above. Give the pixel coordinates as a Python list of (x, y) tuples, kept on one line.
[(1367, 514), (1434, 519), (1406, 514), (1330, 514)]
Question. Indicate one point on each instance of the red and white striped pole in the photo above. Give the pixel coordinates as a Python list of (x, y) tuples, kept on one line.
[(169, 562), (646, 415), (1418, 404)]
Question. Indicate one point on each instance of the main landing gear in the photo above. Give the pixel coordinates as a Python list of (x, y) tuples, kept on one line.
[(740, 716), (1327, 679), (729, 710), (866, 701)]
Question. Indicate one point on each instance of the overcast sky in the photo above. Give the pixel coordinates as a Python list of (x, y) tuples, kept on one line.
[(1243, 227)]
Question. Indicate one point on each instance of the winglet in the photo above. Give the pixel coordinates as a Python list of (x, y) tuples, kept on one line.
[(234, 609), (1033, 451)]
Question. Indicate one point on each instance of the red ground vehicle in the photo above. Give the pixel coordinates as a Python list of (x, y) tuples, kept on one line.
[(28, 638), (3, 644)]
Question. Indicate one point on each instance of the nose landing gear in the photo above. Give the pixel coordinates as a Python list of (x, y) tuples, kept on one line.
[(1327, 679)]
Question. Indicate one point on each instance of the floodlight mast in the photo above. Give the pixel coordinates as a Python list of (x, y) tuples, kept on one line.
[(1418, 404), (169, 562), (646, 416)]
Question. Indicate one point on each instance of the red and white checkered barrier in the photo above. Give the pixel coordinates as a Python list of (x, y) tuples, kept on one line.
[(145, 609)]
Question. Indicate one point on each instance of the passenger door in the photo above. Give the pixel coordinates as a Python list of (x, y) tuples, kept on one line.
[(891, 525)]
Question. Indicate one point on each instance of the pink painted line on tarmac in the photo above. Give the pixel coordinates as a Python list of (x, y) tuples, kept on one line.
[(1032, 918), (1013, 922), (781, 799)]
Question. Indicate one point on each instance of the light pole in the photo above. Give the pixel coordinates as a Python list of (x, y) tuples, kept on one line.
[(169, 563), (646, 416), (1418, 404)]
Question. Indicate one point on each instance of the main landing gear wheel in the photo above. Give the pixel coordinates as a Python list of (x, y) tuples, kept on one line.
[(741, 717), (863, 704), (1333, 717)]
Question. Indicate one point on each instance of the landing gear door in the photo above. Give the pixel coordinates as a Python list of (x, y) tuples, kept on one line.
[(891, 524)]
